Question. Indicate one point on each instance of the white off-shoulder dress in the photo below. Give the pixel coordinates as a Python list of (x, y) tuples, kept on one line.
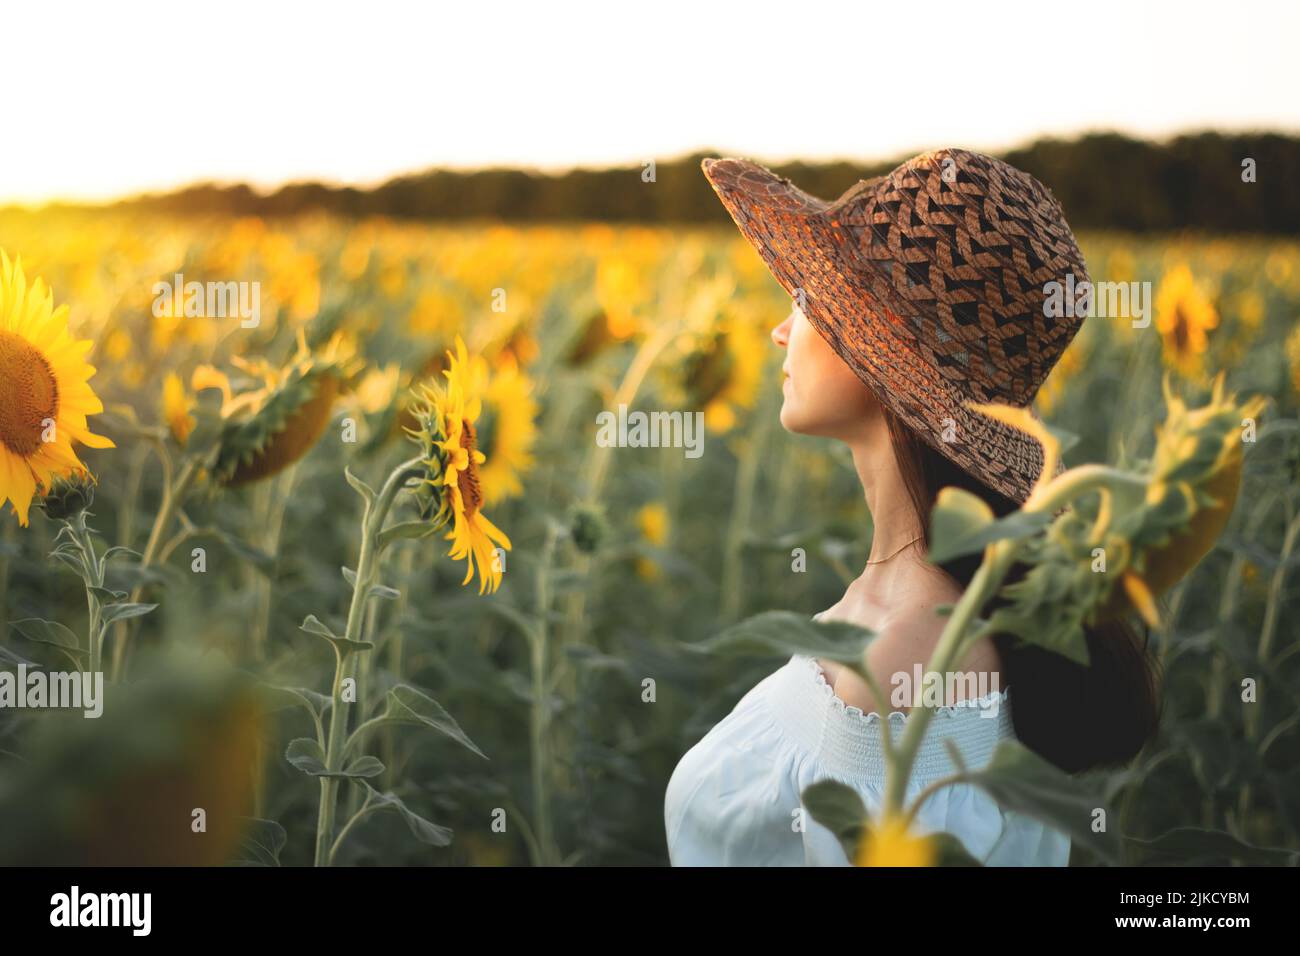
[(734, 798)]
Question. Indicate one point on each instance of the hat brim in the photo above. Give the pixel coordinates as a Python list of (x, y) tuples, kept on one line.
[(810, 255)]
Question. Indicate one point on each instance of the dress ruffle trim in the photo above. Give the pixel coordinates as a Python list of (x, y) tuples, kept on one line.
[(898, 718)]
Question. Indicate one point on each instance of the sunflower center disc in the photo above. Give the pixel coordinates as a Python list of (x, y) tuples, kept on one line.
[(29, 395), (471, 492)]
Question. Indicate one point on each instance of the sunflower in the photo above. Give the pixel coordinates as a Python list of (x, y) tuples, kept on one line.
[(507, 429), (45, 393), (179, 403), (1293, 357), (891, 844), (1067, 367), (268, 428), (1196, 478), (448, 415), (652, 521), (621, 290), (723, 376), (178, 408), (512, 413), (378, 389), (1184, 316)]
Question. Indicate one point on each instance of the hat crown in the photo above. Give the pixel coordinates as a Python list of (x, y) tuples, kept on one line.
[(964, 248)]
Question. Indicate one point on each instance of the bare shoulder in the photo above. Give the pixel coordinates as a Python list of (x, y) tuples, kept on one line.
[(905, 639)]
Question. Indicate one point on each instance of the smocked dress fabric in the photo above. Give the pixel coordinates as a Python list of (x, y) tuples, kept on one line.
[(734, 798)]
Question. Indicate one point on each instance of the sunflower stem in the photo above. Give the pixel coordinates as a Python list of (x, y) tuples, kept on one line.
[(173, 495), (539, 716), (94, 578), (1276, 589), (742, 513), (958, 636), (269, 501), (998, 558), (626, 394), (365, 676), (405, 567), (126, 511)]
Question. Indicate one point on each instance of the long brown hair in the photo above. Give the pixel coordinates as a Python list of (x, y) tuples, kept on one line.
[(1077, 717)]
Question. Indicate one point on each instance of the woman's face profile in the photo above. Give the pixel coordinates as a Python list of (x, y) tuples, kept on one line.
[(823, 396)]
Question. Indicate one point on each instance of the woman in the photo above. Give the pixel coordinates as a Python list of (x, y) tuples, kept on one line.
[(914, 293)]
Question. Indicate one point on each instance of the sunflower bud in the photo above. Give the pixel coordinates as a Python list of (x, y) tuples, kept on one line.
[(1196, 475), (69, 496), (1105, 558), (588, 527), (591, 340)]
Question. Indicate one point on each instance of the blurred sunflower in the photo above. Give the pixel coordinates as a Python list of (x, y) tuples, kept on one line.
[(45, 393), (378, 389), (178, 403), (621, 293), (1250, 308), (1293, 357), (289, 414), (522, 346), (652, 521), (447, 433), (511, 430), (621, 290), (1279, 267), (890, 843), (1067, 367), (1120, 265), (1184, 316), (723, 375), (178, 408), (270, 424), (436, 312)]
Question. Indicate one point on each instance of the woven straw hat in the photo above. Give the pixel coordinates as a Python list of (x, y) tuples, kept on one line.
[(929, 282)]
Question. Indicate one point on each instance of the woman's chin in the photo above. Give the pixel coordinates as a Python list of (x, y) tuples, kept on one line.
[(798, 422), (791, 421)]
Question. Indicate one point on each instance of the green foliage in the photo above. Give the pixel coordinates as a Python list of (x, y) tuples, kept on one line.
[(618, 668)]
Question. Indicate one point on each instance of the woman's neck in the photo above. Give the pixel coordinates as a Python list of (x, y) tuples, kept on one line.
[(897, 534)]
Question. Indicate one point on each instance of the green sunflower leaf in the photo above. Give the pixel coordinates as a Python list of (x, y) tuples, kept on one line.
[(360, 487), (312, 625)]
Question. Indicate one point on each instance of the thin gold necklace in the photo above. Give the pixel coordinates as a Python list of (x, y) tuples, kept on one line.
[(887, 557)]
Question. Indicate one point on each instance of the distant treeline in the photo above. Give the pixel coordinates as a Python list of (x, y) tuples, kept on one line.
[(1103, 180)]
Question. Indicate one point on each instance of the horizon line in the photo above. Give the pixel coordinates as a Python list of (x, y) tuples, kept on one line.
[(266, 190)]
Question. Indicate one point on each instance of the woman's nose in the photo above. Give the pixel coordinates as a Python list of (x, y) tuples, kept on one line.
[(781, 334)]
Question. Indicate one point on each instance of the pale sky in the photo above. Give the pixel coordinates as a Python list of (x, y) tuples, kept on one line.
[(108, 99)]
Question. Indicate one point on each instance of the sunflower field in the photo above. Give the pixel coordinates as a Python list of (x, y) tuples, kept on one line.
[(365, 588)]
